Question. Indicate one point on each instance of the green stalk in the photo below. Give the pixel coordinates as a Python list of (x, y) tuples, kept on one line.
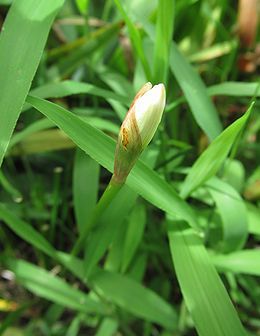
[(109, 194)]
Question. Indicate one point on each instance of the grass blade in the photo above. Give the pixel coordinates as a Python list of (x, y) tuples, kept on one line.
[(135, 39), (22, 40), (195, 92), (50, 287), (212, 158), (85, 187), (233, 213), (246, 261), (164, 31), (234, 89), (203, 291), (134, 298)]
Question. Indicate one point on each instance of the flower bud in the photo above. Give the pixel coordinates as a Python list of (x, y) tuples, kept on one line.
[(138, 128)]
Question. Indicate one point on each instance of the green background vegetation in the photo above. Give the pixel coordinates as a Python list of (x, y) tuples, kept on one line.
[(175, 253)]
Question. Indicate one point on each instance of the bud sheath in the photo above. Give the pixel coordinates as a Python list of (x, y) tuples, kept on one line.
[(138, 128)]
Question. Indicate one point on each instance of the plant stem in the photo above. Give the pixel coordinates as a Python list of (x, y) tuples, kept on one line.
[(109, 194)]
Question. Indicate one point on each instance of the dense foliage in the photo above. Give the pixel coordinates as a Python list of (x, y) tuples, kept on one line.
[(174, 252)]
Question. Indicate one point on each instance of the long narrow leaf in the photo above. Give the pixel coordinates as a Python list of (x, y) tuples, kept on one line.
[(195, 92), (203, 291), (211, 159), (22, 40)]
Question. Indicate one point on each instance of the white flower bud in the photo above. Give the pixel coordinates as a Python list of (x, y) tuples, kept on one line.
[(148, 111), (138, 128)]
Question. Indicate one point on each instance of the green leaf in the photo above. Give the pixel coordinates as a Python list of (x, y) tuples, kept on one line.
[(109, 223), (246, 261), (101, 148), (212, 158), (164, 32), (195, 92), (85, 187), (108, 327), (204, 293), (51, 287), (253, 219), (82, 6), (233, 213), (74, 54), (135, 39), (37, 126), (22, 40), (134, 298), (234, 89), (25, 231), (68, 88), (134, 234)]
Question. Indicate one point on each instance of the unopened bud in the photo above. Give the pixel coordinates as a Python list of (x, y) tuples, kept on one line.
[(138, 128)]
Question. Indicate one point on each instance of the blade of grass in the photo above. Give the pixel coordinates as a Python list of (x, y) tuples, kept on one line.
[(134, 298), (233, 213), (253, 213), (22, 40), (134, 234), (25, 231), (135, 39), (51, 287), (68, 88), (204, 293), (234, 89), (212, 158), (85, 187), (164, 32), (109, 224), (195, 92), (246, 261), (108, 327), (74, 54)]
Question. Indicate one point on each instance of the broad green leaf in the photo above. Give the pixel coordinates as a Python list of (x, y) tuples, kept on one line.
[(204, 293), (85, 187), (134, 298), (22, 40), (164, 32), (195, 92), (233, 213), (234, 89), (212, 158), (246, 261), (101, 148), (50, 287)]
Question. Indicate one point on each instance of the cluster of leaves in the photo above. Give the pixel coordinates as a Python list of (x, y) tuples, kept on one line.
[(176, 249)]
